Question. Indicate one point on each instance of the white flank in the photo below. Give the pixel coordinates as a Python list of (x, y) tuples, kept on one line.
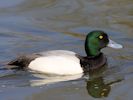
[(59, 62)]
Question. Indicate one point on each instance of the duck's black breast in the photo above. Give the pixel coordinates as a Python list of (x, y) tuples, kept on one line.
[(88, 63)]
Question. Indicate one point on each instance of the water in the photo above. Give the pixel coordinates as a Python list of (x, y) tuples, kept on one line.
[(32, 26)]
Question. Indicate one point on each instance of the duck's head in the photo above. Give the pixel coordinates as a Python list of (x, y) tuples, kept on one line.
[(96, 40)]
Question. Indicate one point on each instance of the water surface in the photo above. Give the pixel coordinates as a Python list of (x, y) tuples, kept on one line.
[(32, 26)]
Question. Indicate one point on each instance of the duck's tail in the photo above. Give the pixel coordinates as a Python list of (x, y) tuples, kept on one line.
[(19, 63), (8, 67), (22, 62)]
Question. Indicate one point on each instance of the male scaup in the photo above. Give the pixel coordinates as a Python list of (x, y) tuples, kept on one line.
[(63, 62)]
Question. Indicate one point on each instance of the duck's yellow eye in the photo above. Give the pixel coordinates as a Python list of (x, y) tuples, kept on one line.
[(100, 37)]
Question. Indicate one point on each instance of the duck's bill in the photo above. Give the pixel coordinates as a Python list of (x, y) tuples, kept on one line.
[(115, 45)]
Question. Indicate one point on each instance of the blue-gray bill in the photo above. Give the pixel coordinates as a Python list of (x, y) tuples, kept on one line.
[(115, 45)]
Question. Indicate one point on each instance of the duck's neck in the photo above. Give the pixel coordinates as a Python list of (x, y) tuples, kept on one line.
[(91, 50)]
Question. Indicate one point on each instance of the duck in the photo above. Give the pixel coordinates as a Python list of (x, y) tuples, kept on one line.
[(64, 62)]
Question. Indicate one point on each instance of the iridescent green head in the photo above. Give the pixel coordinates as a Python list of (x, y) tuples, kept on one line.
[(96, 40)]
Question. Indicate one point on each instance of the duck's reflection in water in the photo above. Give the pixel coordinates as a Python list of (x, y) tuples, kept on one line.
[(46, 79), (96, 84), (97, 88)]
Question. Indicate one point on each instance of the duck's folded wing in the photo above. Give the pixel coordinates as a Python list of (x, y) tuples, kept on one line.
[(57, 53)]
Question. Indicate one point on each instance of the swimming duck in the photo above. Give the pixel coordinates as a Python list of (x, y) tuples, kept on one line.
[(63, 62)]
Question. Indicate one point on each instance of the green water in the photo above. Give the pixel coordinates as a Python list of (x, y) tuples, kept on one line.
[(28, 26)]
